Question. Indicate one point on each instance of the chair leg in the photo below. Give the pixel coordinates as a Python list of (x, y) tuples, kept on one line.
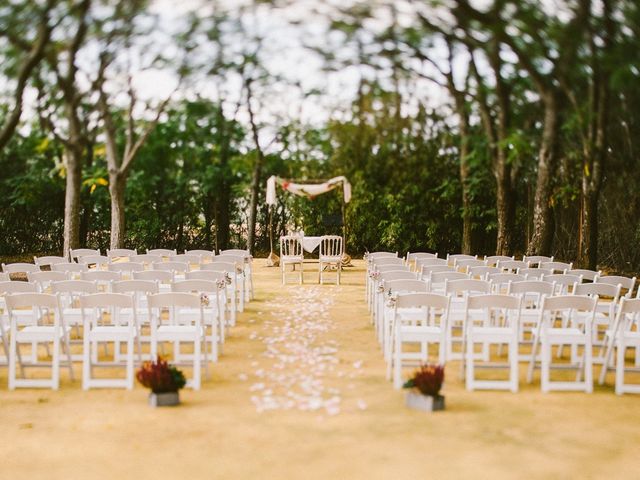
[(545, 366), (620, 367)]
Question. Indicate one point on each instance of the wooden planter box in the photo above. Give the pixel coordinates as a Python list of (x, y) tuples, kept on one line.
[(169, 399), (426, 403)]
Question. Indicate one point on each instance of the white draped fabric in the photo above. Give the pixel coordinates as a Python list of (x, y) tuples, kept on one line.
[(309, 190)]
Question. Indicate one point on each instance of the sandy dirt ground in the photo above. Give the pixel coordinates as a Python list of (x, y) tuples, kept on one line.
[(300, 393)]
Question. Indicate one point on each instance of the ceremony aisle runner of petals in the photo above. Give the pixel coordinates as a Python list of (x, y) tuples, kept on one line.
[(300, 364)]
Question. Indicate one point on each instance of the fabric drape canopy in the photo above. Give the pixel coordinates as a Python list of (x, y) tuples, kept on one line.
[(308, 190)]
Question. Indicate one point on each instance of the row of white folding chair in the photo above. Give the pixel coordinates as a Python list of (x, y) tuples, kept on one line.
[(72, 290), (374, 260), (48, 308), (432, 328)]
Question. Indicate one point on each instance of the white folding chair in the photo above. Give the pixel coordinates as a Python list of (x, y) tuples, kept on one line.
[(121, 253), (212, 310), (146, 259), (452, 258), (492, 260), (99, 262), (240, 274), (576, 333), (459, 289), (370, 258), (381, 292), (531, 293), (48, 327), (126, 269), (162, 252), (427, 270), (76, 253), (331, 255), (248, 267), (231, 290), (392, 289), (73, 269), (412, 257), (23, 317), (48, 261), (205, 255), (164, 278), (512, 266), (103, 279), (19, 267), (428, 325), (464, 265), (534, 273), (565, 283), (557, 267), (500, 281), (218, 277), (44, 279), (291, 253), (590, 275), (536, 260), (104, 324), (186, 258), (627, 284), (499, 320), (177, 331), (178, 269), (625, 336), (437, 281)]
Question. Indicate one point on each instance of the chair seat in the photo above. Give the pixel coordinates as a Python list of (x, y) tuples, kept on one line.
[(178, 332), (332, 259), (561, 335), (502, 332), (37, 333), (291, 259), (409, 332), (110, 332)]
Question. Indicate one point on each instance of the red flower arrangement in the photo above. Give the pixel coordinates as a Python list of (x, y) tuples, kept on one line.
[(160, 377), (427, 380)]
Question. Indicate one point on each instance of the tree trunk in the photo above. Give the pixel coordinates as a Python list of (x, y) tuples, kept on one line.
[(72, 201), (542, 237), (256, 175), (467, 222), (117, 183), (505, 205)]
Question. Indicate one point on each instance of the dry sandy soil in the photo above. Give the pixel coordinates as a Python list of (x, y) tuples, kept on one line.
[(361, 428)]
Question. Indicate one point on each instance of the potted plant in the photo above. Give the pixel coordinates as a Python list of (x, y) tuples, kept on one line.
[(424, 388), (163, 380)]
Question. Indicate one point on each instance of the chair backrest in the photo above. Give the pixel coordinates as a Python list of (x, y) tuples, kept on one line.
[(626, 282), (465, 264), (174, 299), (630, 306), (398, 275), (195, 286), (406, 286), (70, 267), (37, 300), (427, 270), (19, 267), (602, 290), (377, 262), (237, 260), (49, 260), (171, 266), (219, 267), (97, 260), (106, 300), (438, 280), (493, 260), (451, 258), (205, 275), (100, 276), (331, 246), (583, 303), (186, 258), (18, 287), (146, 258), (417, 300), (393, 268), (467, 286), (532, 286), (563, 281), (512, 265), (126, 267), (504, 278), (537, 259), (135, 286), (205, 255), (534, 273), (412, 257), (162, 252), (560, 267), (483, 271), (121, 253), (590, 275), (77, 253), (235, 251), (291, 246), (5, 277), (425, 262), (74, 287), (493, 300), (46, 277), (162, 276)]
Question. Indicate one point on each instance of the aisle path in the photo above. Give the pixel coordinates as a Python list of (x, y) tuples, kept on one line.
[(301, 365)]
